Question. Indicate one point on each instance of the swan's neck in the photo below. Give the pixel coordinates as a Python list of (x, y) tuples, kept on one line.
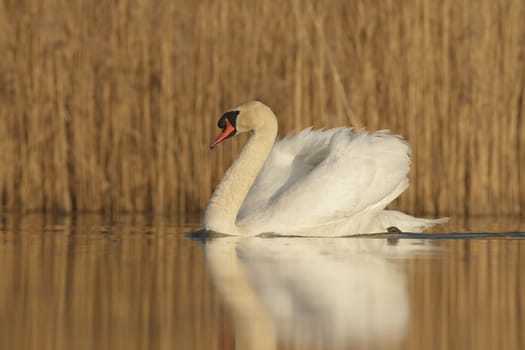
[(229, 195)]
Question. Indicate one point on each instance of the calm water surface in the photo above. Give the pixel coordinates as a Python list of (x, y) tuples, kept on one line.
[(138, 282)]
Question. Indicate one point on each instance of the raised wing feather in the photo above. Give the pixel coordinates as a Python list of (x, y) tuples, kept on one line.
[(291, 159), (336, 174)]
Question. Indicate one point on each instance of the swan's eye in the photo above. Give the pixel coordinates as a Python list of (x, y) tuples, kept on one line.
[(228, 124), (232, 118)]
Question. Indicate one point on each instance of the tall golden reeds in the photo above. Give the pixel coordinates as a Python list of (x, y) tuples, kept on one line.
[(110, 106)]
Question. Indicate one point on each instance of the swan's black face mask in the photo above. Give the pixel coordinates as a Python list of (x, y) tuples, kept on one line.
[(228, 124)]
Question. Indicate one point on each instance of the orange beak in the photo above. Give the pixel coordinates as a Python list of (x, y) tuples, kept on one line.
[(228, 131)]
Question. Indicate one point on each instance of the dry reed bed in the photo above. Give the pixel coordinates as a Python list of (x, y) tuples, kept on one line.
[(111, 106)]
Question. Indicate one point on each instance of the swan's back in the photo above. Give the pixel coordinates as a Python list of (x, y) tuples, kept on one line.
[(333, 180)]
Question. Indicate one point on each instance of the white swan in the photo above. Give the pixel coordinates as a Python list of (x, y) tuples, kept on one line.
[(324, 183)]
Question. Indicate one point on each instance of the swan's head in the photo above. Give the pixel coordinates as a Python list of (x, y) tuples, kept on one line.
[(246, 117)]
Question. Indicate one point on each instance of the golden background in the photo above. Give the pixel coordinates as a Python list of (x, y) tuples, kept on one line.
[(109, 106)]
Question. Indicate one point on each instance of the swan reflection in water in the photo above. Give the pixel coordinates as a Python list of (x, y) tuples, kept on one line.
[(313, 292)]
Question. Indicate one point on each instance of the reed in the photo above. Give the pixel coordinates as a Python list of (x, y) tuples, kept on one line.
[(110, 106)]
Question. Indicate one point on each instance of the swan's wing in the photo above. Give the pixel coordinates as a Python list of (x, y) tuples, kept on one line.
[(291, 159), (360, 171)]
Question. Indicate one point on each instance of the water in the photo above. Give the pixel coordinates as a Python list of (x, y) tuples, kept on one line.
[(139, 282)]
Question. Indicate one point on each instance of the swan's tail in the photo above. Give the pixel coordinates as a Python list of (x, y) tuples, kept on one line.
[(407, 223)]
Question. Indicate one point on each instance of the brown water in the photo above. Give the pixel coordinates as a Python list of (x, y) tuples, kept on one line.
[(142, 283)]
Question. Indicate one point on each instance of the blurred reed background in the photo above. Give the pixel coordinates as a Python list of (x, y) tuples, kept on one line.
[(110, 106)]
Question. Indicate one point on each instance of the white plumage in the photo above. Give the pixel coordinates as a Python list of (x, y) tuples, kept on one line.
[(324, 183)]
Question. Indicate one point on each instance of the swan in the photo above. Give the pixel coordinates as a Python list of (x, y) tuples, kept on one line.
[(316, 183)]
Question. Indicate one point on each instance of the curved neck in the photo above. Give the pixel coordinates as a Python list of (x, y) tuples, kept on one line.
[(229, 195)]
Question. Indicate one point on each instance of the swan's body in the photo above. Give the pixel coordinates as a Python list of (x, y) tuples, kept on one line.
[(323, 183)]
